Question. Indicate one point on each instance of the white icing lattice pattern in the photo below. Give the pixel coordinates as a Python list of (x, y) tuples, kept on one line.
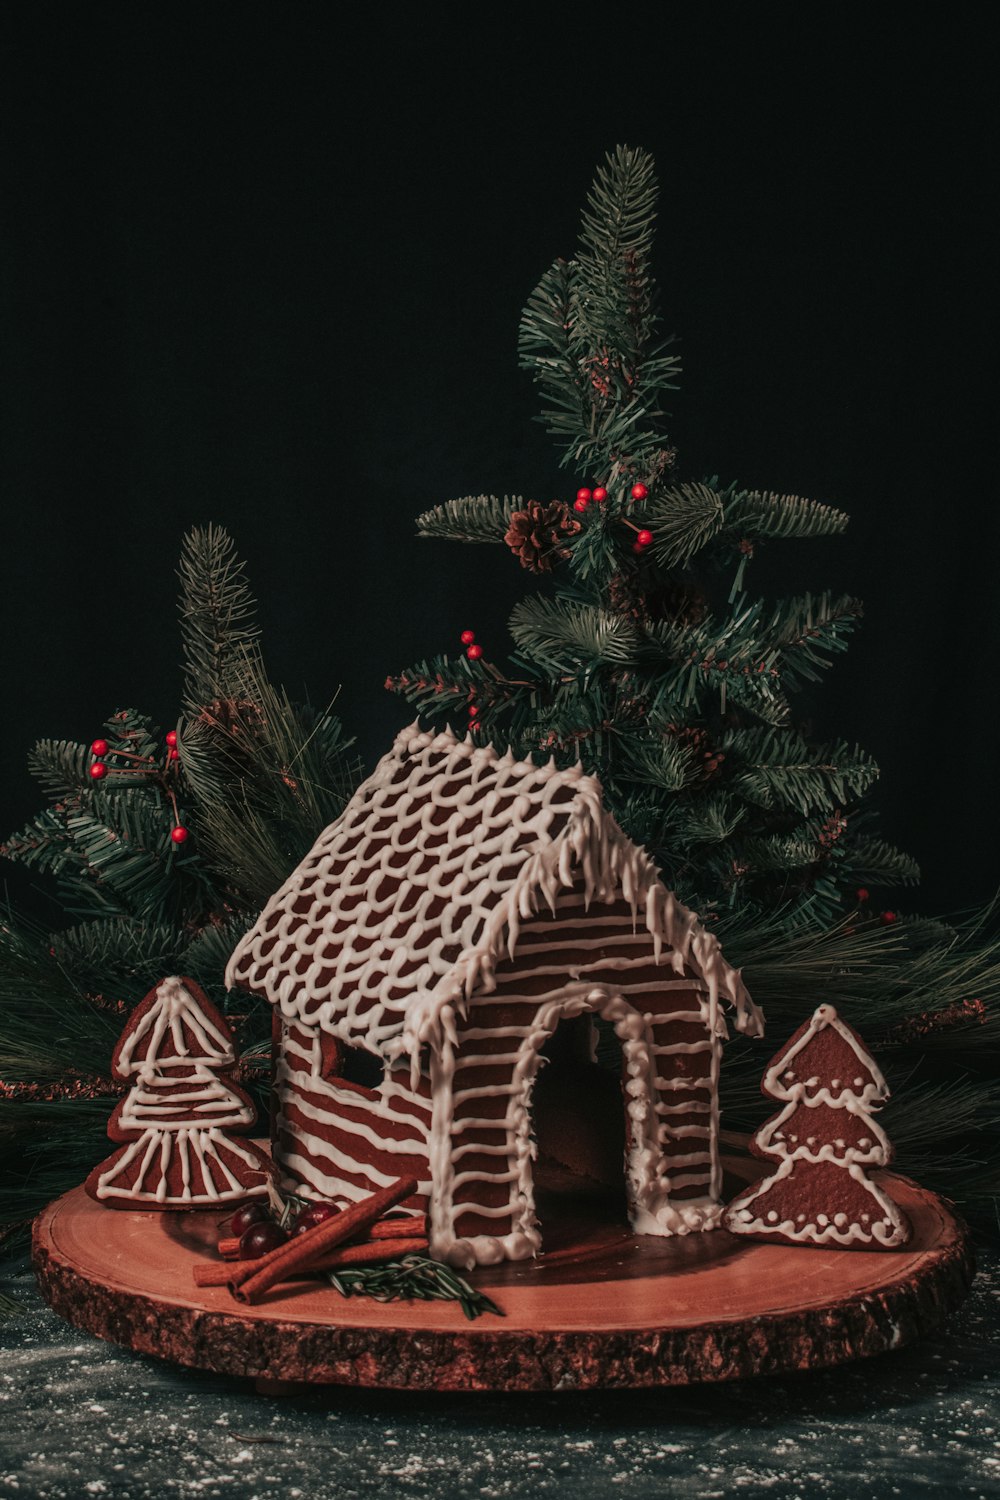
[(406, 903)]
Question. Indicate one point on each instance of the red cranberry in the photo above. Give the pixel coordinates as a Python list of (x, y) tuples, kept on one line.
[(316, 1214), (250, 1213), (260, 1238)]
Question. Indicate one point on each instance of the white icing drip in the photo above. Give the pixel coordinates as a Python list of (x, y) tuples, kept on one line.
[(173, 1010)]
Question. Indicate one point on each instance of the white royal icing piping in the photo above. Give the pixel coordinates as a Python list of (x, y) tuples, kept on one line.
[(873, 1093), (336, 967), (888, 1232)]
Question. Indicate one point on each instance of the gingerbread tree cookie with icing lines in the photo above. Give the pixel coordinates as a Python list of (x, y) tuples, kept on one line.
[(175, 1121), (824, 1138)]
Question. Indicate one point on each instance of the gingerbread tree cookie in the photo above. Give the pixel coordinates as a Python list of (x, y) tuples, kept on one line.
[(825, 1138), (175, 1121)]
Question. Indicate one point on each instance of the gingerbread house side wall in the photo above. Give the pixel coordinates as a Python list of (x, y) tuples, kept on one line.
[(337, 1141)]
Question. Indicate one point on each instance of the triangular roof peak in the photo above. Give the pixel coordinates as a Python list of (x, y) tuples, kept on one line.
[(406, 903)]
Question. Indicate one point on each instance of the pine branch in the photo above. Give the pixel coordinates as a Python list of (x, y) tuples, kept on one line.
[(808, 630), (218, 610), (60, 766), (474, 518), (759, 513), (119, 958), (683, 519), (711, 819), (660, 762), (878, 862), (779, 770), (588, 331), (567, 635)]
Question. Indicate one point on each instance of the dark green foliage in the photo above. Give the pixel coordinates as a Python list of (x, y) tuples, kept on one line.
[(590, 331), (218, 617), (476, 518), (256, 780), (658, 670)]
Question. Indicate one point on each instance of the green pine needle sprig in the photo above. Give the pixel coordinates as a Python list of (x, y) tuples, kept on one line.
[(414, 1278)]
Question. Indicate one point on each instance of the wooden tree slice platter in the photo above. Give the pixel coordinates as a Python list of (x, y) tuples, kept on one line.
[(601, 1308)]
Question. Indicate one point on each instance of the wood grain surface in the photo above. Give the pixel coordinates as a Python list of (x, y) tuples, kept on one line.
[(601, 1308)]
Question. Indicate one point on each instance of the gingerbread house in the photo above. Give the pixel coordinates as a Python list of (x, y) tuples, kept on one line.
[(465, 909)]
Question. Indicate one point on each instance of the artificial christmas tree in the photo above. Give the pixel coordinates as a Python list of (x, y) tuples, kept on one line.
[(825, 1140), (648, 660), (177, 1119), (651, 662)]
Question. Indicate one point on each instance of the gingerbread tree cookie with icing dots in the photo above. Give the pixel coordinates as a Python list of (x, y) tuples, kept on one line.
[(175, 1121), (825, 1138)]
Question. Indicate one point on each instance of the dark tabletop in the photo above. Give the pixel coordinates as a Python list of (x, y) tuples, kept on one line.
[(79, 1417)]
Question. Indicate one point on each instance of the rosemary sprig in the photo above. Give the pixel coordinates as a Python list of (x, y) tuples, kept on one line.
[(414, 1278)]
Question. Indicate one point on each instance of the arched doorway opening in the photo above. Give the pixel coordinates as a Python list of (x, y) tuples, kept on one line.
[(579, 1128)]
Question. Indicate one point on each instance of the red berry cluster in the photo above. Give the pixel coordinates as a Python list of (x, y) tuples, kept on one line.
[(258, 1233), (598, 495), (472, 650), (99, 770)]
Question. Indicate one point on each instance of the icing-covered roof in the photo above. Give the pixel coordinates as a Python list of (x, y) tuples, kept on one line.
[(405, 904)]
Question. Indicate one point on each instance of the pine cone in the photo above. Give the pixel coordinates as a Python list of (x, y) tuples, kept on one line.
[(534, 534), (678, 603), (625, 595)]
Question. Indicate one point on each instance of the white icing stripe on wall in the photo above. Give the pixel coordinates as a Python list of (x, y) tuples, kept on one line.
[(349, 1128), (695, 1107)]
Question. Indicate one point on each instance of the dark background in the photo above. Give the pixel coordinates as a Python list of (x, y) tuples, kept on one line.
[(265, 267)]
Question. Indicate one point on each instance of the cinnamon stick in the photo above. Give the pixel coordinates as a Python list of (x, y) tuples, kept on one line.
[(395, 1229), (303, 1250), (369, 1253), (413, 1226)]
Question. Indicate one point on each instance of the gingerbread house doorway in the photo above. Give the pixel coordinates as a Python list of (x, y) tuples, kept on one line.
[(579, 1121)]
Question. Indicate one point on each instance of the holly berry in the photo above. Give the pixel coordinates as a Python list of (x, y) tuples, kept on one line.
[(474, 653), (887, 918), (639, 492), (467, 637), (314, 1216), (99, 747), (174, 755), (250, 1213), (861, 895), (171, 737), (473, 711), (600, 495), (585, 496), (259, 1239), (179, 834), (580, 504), (98, 771), (644, 538)]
